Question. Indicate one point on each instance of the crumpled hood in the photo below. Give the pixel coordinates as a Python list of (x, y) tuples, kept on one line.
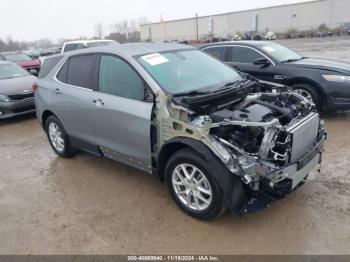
[(17, 85), (325, 64)]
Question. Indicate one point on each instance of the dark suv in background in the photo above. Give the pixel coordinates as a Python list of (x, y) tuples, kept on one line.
[(324, 82)]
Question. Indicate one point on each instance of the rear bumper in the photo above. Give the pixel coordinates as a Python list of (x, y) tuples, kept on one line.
[(16, 108)]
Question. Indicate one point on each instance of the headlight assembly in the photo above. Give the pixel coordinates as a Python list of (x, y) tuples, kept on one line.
[(4, 98), (337, 78)]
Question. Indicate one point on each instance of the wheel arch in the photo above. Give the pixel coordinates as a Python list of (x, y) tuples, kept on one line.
[(230, 184), (45, 115), (308, 81), (176, 144)]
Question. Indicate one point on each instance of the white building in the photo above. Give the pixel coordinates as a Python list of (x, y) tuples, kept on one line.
[(301, 16)]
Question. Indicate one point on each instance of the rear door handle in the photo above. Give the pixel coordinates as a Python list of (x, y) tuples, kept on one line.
[(98, 102), (57, 91)]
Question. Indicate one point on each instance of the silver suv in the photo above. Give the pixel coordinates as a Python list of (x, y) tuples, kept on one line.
[(221, 140)]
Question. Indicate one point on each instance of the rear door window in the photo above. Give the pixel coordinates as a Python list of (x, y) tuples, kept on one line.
[(117, 77), (218, 52), (240, 54), (79, 71)]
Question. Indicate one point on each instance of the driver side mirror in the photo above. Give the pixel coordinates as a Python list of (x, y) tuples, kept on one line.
[(262, 61)]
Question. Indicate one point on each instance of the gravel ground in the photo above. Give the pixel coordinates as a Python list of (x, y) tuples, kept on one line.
[(89, 205)]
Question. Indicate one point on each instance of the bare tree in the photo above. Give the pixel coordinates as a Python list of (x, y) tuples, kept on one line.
[(99, 31), (143, 21), (127, 30), (43, 43)]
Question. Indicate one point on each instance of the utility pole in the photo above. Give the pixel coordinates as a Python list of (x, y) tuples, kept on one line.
[(197, 27)]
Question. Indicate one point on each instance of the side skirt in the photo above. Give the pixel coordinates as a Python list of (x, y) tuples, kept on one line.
[(85, 146), (106, 152)]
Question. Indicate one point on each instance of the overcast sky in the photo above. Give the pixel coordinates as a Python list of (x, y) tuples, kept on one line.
[(35, 19)]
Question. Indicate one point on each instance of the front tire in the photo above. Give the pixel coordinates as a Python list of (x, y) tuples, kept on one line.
[(194, 186), (58, 138)]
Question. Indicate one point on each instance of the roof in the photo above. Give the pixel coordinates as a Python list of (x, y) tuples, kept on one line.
[(6, 63), (134, 49), (88, 41), (247, 43), (13, 53)]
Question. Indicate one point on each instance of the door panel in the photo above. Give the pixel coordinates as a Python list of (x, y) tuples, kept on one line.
[(123, 129), (74, 108), (73, 94), (242, 58), (123, 119)]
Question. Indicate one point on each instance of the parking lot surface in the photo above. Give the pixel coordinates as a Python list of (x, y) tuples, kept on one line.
[(89, 205)]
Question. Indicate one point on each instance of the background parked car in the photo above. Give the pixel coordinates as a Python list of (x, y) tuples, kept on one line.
[(16, 95), (257, 37), (347, 28), (270, 36), (23, 60), (246, 36), (325, 82), (80, 44), (236, 38)]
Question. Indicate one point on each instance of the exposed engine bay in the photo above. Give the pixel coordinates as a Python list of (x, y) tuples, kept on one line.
[(263, 132)]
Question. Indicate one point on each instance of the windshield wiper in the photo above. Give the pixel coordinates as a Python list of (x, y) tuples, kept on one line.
[(191, 93), (221, 88), (230, 84)]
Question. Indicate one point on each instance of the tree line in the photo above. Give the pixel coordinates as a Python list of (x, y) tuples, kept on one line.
[(124, 31)]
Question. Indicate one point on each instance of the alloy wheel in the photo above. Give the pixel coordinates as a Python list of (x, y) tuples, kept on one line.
[(305, 94), (56, 137), (192, 187)]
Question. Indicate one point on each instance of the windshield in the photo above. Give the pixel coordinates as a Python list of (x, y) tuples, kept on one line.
[(11, 71), (187, 70), (100, 43), (281, 53), (17, 58)]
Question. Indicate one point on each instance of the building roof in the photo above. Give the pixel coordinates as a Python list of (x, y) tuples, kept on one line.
[(238, 11)]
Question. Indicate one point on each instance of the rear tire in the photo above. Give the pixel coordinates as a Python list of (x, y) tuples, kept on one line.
[(202, 196), (58, 138), (309, 92)]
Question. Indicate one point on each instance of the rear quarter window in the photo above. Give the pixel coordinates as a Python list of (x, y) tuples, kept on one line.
[(47, 65), (217, 52)]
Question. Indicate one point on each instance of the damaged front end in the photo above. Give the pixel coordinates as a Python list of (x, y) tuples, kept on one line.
[(267, 135)]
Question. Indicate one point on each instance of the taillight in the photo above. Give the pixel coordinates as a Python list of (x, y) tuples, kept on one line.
[(34, 87)]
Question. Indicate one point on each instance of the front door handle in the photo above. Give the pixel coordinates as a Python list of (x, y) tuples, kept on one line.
[(57, 91), (98, 102)]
